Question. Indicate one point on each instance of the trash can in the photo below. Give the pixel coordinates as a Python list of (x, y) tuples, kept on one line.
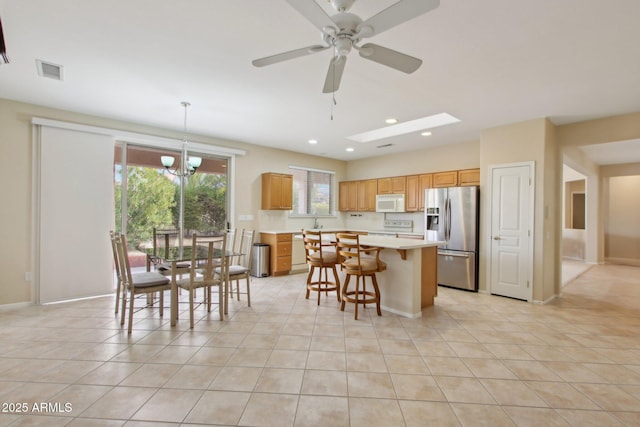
[(260, 260)]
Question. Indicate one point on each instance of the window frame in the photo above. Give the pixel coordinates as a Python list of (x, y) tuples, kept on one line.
[(332, 193)]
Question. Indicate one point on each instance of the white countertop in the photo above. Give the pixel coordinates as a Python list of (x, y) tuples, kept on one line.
[(387, 242)]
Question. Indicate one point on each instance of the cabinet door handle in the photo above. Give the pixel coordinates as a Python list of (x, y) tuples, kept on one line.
[(496, 238)]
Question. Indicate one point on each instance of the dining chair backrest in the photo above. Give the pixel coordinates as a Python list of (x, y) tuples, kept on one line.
[(232, 238), (206, 253), (244, 249), (124, 269), (116, 263)]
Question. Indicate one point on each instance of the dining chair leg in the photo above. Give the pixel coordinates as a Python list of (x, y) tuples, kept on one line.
[(124, 306), (161, 303), (248, 292), (131, 300), (191, 308), (221, 300), (117, 295)]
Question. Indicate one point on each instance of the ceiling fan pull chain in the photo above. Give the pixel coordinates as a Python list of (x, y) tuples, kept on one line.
[(333, 94)]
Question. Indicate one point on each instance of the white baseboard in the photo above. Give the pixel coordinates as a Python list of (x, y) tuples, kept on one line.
[(15, 306)]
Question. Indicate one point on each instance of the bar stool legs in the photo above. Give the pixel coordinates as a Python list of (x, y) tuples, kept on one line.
[(323, 285), (363, 296)]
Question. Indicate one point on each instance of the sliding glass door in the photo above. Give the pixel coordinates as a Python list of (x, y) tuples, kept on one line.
[(148, 196)]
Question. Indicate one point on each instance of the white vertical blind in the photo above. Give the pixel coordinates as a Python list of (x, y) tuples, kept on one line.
[(76, 212)]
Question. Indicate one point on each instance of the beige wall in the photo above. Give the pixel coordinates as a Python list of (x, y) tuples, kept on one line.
[(440, 158), (622, 231), (533, 140)]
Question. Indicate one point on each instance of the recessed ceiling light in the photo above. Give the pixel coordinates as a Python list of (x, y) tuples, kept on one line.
[(426, 133), (422, 124), (391, 121), (313, 141), (350, 149)]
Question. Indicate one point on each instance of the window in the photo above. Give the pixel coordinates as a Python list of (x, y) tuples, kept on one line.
[(312, 191), (154, 198)]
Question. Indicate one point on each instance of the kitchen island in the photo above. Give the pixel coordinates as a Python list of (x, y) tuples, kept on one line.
[(410, 282)]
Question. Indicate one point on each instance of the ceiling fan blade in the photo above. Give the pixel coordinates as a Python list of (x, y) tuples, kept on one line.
[(334, 74), (313, 12), (390, 58), (396, 14), (268, 60)]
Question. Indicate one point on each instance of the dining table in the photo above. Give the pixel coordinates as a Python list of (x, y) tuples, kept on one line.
[(176, 259)]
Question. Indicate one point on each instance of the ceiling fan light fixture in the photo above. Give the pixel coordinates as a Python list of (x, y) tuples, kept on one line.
[(343, 46)]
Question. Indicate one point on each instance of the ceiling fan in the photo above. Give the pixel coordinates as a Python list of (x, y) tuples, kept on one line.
[(344, 31)]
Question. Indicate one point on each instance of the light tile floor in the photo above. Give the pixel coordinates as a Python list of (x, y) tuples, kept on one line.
[(471, 360)]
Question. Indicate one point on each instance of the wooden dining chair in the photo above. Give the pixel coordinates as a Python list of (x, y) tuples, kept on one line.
[(240, 265), (359, 261), (205, 252), (116, 264), (147, 282), (323, 256)]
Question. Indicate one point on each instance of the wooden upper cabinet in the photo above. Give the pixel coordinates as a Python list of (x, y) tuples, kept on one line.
[(469, 177), (348, 196), (277, 191), (357, 195), (367, 190), (392, 185), (416, 185), (426, 181), (445, 179), (412, 198)]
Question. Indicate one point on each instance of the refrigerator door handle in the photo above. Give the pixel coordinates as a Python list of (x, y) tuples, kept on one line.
[(448, 220)]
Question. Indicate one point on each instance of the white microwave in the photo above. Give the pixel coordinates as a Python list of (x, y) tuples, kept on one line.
[(390, 203)]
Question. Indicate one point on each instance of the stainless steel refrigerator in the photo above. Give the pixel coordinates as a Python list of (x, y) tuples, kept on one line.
[(452, 215)]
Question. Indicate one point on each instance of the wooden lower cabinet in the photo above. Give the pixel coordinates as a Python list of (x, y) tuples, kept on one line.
[(281, 247)]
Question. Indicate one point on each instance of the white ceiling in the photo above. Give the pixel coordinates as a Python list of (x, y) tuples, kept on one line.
[(489, 63)]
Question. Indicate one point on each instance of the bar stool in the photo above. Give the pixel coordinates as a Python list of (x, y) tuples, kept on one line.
[(359, 261), (319, 255)]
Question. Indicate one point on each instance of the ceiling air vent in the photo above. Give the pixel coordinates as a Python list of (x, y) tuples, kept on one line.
[(47, 69), (384, 145)]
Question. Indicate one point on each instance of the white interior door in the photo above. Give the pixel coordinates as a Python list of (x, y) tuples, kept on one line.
[(512, 230)]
